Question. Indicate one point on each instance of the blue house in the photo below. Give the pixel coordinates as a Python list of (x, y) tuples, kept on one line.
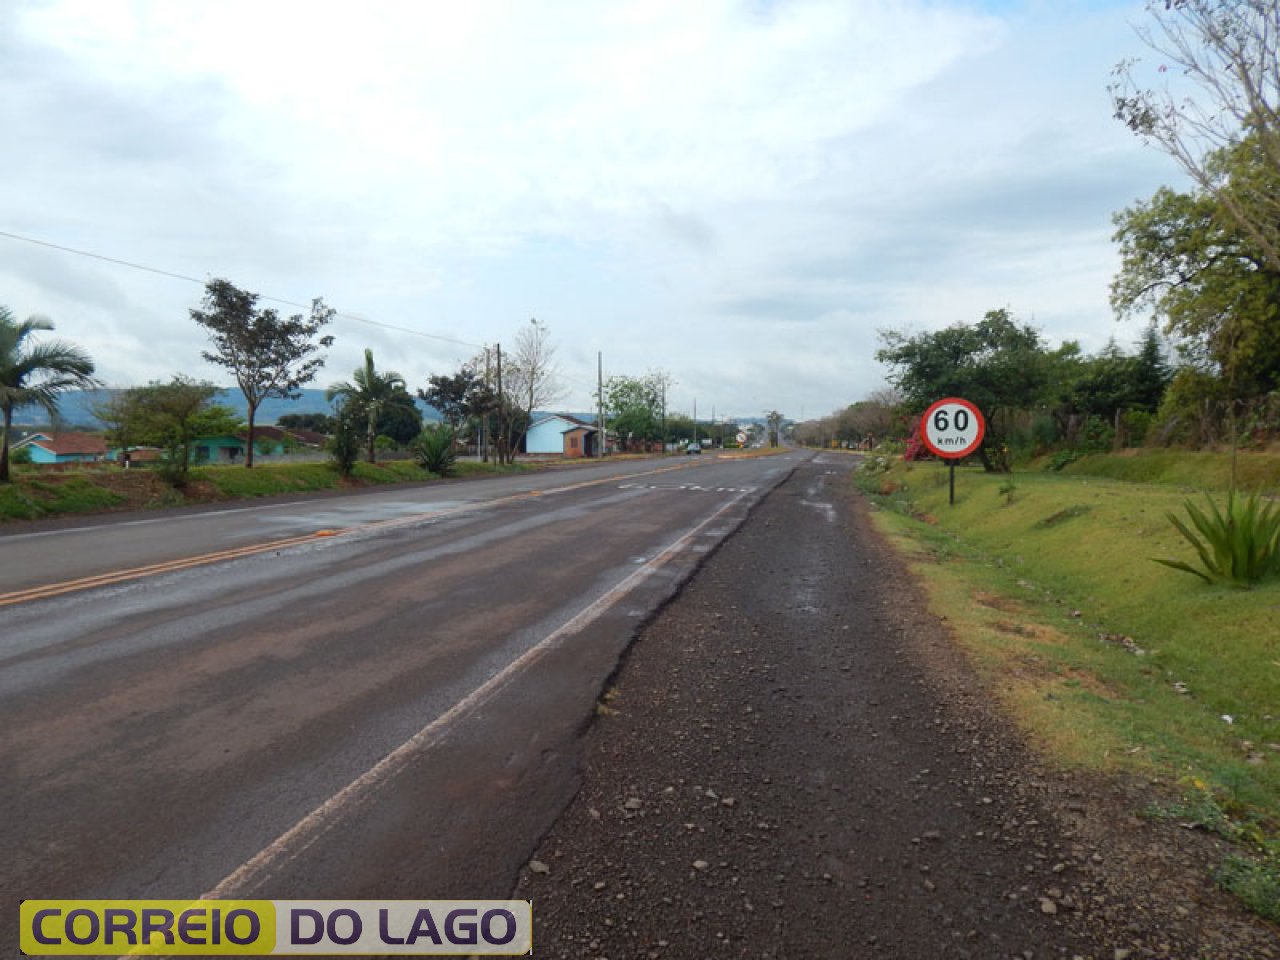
[(561, 435), (66, 447)]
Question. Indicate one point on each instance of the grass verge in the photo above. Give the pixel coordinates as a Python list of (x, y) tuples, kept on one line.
[(36, 494), (1201, 470), (1109, 661), (31, 497)]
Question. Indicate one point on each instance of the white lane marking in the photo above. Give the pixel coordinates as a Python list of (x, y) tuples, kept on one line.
[(315, 825)]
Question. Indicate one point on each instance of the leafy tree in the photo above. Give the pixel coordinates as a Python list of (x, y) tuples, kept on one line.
[(316, 422), (173, 415), (1224, 95), (344, 442), (1217, 295), (269, 355), (680, 427), (369, 395), (457, 397), (635, 406), (35, 373), (875, 417), (466, 399), (400, 420), (119, 413), (1113, 381), (997, 363)]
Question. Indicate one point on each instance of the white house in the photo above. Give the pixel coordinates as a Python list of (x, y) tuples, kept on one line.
[(561, 435)]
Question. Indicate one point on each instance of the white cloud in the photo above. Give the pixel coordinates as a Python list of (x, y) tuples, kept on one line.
[(679, 185)]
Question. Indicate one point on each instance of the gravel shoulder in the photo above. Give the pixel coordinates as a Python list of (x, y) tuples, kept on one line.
[(794, 761)]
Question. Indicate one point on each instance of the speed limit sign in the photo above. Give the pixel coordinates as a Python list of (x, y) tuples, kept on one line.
[(952, 428)]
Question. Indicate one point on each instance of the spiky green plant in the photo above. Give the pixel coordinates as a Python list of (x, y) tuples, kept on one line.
[(433, 449), (1239, 545)]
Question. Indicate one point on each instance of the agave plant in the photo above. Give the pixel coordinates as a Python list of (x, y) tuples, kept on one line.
[(434, 450), (1239, 545)]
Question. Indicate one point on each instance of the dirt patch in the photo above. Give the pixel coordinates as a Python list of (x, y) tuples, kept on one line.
[(996, 602), (796, 761)]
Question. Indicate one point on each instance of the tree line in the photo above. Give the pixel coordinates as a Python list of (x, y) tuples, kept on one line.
[(1202, 265), (273, 356)]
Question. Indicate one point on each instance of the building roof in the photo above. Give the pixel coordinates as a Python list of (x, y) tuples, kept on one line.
[(67, 443), (575, 422), (279, 434)]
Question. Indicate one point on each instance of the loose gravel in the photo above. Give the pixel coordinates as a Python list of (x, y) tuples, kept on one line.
[(794, 761)]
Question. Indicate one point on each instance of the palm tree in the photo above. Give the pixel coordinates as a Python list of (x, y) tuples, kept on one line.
[(34, 374), (371, 393)]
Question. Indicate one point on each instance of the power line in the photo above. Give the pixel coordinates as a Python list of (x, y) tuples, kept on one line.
[(180, 276)]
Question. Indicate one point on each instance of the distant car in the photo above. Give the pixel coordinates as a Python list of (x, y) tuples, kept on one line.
[(693, 448)]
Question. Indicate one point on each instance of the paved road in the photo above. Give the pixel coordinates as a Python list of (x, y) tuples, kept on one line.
[(108, 544), (391, 712)]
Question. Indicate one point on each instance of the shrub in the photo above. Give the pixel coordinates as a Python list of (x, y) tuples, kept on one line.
[(434, 450), (1240, 545), (1061, 459), (344, 444)]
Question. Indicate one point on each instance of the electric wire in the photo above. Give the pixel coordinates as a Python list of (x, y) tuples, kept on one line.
[(180, 276)]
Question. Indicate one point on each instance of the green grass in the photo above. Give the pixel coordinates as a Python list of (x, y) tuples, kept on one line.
[(1197, 470), (35, 494), (1109, 660), (268, 479), (30, 497)]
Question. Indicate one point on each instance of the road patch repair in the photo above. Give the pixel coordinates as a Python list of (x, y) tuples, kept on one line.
[(795, 761)]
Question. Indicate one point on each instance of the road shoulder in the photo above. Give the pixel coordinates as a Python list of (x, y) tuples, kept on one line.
[(796, 761)]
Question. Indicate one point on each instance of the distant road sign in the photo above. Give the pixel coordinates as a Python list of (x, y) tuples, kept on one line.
[(742, 437), (952, 428)]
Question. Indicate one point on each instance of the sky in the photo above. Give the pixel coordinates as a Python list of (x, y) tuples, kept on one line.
[(740, 193)]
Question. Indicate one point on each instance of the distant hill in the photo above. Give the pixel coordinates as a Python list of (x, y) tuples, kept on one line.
[(77, 406)]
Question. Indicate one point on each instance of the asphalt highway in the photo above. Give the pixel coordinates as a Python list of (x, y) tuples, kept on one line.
[(376, 696)]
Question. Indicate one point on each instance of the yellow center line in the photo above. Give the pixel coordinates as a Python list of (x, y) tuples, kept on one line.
[(135, 573)]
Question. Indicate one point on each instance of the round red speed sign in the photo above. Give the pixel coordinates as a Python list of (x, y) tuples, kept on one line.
[(952, 428)]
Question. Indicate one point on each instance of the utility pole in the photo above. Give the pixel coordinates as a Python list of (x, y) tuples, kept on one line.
[(664, 414), (484, 421), (502, 411), (604, 433), (695, 421)]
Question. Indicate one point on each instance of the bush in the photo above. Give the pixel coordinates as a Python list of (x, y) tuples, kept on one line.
[(1062, 458), (434, 450), (344, 444), (1240, 545)]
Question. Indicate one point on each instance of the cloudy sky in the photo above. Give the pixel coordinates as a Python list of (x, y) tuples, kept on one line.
[(739, 192)]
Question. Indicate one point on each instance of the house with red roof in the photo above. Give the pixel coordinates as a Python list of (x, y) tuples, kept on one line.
[(64, 447)]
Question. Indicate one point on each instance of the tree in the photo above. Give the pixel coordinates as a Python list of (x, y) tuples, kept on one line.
[(532, 381), (1221, 98), (35, 373), (173, 415), (370, 394), (1190, 266), (455, 396), (400, 420), (999, 364), (268, 355), (634, 406), (120, 414), (315, 422), (774, 419)]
